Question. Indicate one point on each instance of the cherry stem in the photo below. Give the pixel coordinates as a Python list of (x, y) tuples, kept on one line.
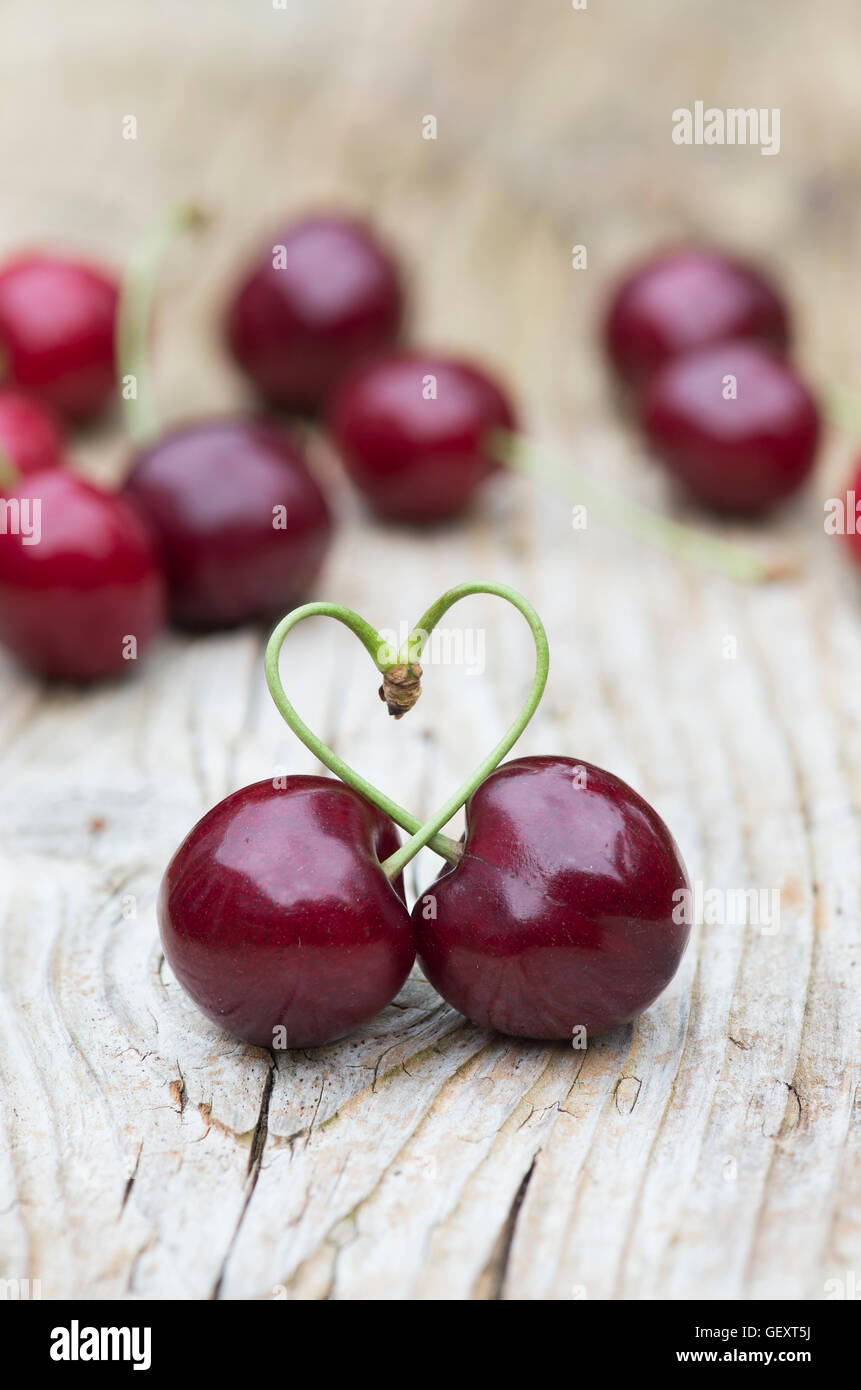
[(10, 473), (134, 316), (533, 461), (412, 650), (384, 658), (843, 408)]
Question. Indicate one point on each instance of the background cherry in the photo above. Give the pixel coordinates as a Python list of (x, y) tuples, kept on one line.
[(297, 328), (57, 322), (274, 912), (685, 299), (31, 437), (69, 603), (209, 491), (560, 913), (736, 455), (415, 458), (852, 514)]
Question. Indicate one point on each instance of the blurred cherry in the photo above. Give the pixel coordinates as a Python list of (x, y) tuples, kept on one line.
[(81, 590), (735, 423), (31, 436), (324, 296), (241, 525), (414, 432), (57, 323), (686, 299)]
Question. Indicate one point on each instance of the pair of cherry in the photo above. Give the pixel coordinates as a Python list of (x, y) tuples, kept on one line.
[(561, 914), (221, 520), (700, 339), (79, 577)]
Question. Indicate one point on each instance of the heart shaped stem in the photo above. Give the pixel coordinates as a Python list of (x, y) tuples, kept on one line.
[(384, 659), (412, 650)]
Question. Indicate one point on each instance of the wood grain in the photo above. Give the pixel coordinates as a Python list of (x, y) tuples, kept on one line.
[(713, 1148)]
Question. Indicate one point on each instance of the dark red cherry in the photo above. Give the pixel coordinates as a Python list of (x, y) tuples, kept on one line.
[(31, 437), (412, 430), (735, 423), (81, 590), (561, 913), (324, 296), (276, 915), (57, 332), (241, 525), (686, 299)]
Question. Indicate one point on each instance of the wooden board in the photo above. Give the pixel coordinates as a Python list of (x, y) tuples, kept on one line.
[(712, 1149)]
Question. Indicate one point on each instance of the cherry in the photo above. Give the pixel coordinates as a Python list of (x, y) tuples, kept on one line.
[(276, 915), (322, 298), (736, 452), (686, 299), (413, 432), (57, 321), (31, 437), (81, 591), (561, 912), (241, 524), (850, 521)]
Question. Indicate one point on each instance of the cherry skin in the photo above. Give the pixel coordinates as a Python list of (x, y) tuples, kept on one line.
[(418, 457), (241, 525), (78, 584), (31, 437), (57, 321), (560, 913), (333, 299), (275, 913), (852, 514), (737, 455), (686, 299)]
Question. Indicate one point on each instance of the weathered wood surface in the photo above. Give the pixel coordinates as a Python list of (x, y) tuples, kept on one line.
[(712, 1149)]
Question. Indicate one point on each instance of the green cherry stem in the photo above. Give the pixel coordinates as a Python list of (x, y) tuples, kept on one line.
[(10, 473), (134, 316), (843, 408), (412, 650), (384, 659), (533, 461)]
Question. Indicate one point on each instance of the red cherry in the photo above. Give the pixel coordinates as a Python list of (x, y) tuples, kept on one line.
[(31, 437), (241, 524), (686, 299), (57, 332), (71, 600), (851, 528), (275, 913), (298, 325), (412, 430), (737, 454), (561, 913)]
